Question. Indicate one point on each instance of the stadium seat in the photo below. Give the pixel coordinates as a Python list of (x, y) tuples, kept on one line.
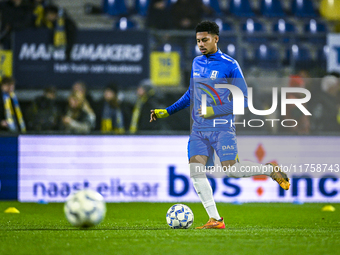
[(241, 8), (124, 24), (231, 50), (272, 8), (227, 27), (283, 27), (303, 8), (267, 57), (251, 28), (115, 7), (172, 47), (142, 6), (214, 5), (195, 52), (170, 2), (313, 27), (248, 57), (322, 55), (223, 26), (226, 38), (316, 32), (219, 22), (105, 6), (300, 55), (168, 47)]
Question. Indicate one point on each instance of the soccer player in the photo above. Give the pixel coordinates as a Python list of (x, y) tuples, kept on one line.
[(214, 67)]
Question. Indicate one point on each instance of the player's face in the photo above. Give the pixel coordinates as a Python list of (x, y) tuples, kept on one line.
[(207, 43)]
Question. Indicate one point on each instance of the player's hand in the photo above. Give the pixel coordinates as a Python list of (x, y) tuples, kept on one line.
[(210, 112), (158, 114), (153, 116)]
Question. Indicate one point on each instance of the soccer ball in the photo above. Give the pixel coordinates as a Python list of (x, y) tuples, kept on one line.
[(179, 216), (86, 208)]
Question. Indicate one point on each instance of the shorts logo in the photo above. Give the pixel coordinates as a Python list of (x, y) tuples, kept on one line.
[(228, 147), (213, 74), (196, 74)]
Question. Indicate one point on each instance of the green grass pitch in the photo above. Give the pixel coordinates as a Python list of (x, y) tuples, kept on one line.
[(140, 228)]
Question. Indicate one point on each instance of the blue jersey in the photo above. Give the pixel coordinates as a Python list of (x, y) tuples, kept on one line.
[(208, 70)]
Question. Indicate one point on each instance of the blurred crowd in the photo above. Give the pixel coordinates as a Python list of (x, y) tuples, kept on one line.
[(324, 105), (80, 113), (184, 14), (116, 113), (18, 15)]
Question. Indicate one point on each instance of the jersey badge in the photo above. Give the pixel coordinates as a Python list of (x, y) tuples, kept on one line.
[(213, 74)]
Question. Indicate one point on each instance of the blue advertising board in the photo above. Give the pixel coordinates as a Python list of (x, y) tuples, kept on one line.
[(8, 168), (96, 57)]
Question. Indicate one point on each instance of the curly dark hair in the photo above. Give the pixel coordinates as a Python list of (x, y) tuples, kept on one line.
[(208, 26)]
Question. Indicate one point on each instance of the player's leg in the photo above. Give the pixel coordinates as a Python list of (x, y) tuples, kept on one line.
[(199, 151), (248, 169), (243, 169), (202, 185), (226, 148)]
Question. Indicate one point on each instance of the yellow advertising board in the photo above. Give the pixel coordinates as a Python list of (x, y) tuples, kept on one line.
[(165, 68), (6, 63), (330, 9)]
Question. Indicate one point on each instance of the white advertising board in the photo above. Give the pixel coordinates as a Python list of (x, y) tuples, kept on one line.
[(333, 64), (155, 169)]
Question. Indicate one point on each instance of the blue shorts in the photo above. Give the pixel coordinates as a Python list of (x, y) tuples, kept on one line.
[(205, 142)]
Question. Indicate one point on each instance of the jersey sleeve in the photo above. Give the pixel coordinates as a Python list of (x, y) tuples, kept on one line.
[(181, 103), (237, 79)]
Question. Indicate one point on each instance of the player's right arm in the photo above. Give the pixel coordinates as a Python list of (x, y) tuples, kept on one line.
[(180, 104)]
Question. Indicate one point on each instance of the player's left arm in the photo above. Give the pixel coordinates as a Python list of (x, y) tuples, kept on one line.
[(226, 108)]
